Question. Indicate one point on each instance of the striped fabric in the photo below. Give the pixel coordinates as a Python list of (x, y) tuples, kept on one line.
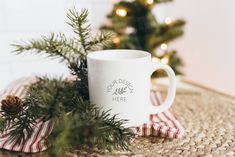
[(163, 124), (41, 130)]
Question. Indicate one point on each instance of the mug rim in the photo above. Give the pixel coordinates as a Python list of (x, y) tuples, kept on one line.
[(95, 55)]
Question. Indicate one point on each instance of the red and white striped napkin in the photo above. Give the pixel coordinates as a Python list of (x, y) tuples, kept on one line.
[(162, 124)]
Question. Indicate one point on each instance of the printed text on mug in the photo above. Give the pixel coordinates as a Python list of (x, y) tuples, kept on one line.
[(119, 89)]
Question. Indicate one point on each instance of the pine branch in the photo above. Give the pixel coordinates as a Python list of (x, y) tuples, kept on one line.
[(42, 101), (59, 137), (167, 36), (20, 126), (162, 1), (62, 100), (55, 46), (71, 50), (176, 23), (86, 127), (50, 99), (93, 128), (102, 40), (80, 27), (175, 61)]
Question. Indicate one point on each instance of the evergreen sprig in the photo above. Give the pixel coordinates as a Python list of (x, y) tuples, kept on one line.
[(72, 50), (80, 27), (78, 123), (54, 45), (162, 1), (86, 128)]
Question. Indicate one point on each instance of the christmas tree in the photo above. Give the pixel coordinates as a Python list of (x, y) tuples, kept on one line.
[(136, 27)]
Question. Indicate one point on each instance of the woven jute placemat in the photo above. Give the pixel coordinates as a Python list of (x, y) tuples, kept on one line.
[(209, 122)]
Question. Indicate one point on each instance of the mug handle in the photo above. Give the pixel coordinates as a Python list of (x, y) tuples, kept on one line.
[(171, 89)]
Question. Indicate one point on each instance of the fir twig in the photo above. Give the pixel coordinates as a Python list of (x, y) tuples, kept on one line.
[(62, 100), (162, 1), (102, 40), (55, 45), (80, 27)]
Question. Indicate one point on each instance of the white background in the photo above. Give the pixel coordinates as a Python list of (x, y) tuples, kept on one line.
[(208, 46)]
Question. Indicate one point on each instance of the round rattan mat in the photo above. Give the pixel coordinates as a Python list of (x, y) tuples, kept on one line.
[(209, 122)]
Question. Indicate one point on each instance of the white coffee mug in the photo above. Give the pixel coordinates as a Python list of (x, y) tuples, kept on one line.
[(119, 81)]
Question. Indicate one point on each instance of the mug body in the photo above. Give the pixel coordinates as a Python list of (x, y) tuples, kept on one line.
[(119, 81)]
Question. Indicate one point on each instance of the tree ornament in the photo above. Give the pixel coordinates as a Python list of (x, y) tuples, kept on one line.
[(12, 105), (122, 12)]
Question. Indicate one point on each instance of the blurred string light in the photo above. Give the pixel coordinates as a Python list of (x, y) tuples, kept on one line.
[(122, 12), (165, 60), (149, 2), (164, 46), (168, 20), (129, 30), (116, 40), (155, 59)]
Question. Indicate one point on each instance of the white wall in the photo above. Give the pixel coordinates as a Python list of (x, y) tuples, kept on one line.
[(26, 19), (207, 48)]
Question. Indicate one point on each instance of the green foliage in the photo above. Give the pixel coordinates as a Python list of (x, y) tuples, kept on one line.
[(83, 30), (72, 50), (78, 123), (88, 127), (139, 29)]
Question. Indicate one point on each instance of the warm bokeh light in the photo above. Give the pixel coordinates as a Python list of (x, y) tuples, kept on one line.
[(164, 46), (116, 40), (165, 60), (168, 20), (155, 59), (121, 12), (149, 2)]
